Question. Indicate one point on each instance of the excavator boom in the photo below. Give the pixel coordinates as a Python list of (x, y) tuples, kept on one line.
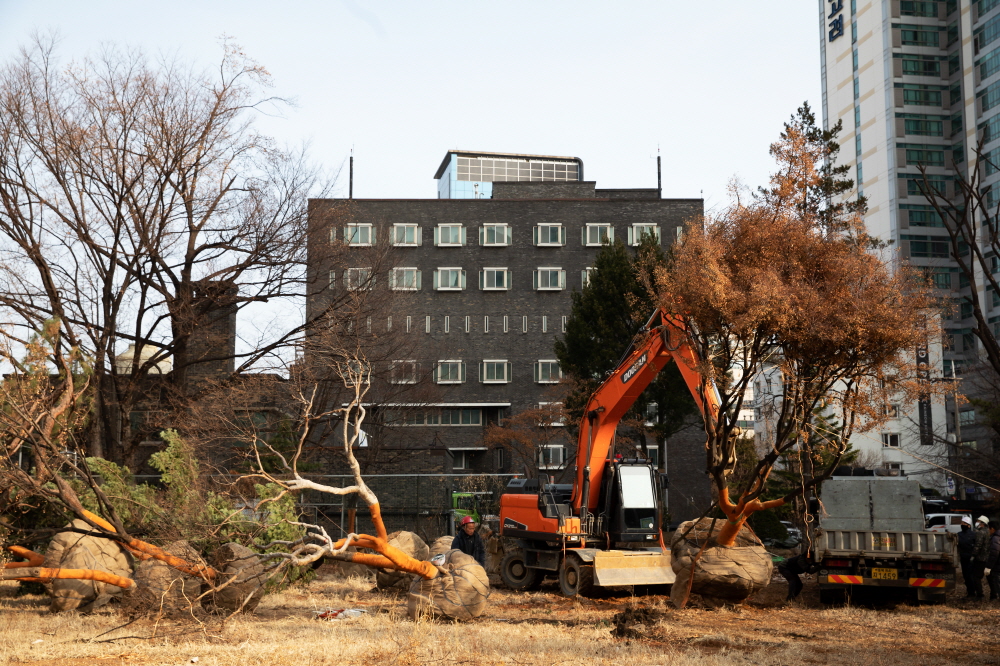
[(661, 343)]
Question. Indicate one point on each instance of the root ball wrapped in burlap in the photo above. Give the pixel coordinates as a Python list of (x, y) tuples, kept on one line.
[(721, 575), (440, 546), (72, 550), (460, 591), (240, 585), (160, 588), (412, 545)]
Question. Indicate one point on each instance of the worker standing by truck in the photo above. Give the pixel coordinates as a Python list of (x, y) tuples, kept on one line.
[(966, 547), (980, 553), (993, 561)]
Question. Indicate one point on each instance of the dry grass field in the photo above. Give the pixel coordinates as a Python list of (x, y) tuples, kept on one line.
[(530, 628)]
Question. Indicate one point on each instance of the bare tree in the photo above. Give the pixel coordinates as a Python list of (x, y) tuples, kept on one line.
[(529, 435), (138, 205)]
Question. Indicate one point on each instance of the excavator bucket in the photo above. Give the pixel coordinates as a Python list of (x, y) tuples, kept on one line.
[(623, 567)]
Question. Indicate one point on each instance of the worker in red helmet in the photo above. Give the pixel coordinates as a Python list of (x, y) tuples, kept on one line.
[(469, 542)]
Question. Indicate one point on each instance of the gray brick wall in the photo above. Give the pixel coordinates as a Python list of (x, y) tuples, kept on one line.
[(520, 304)]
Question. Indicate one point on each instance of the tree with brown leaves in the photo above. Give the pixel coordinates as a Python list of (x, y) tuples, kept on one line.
[(781, 282)]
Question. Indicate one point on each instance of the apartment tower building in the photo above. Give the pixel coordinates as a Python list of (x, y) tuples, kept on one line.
[(915, 83)]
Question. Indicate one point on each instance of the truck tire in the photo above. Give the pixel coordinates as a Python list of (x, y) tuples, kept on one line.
[(516, 575), (575, 577)]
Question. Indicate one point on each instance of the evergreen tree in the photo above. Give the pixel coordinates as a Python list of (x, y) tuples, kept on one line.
[(605, 317)]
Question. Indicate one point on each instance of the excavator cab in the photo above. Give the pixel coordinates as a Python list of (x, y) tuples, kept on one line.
[(630, 510)]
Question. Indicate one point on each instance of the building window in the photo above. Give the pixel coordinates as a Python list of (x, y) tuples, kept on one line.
[(505, 324), (495, 234), (927, 246), (967, 417), (447, 324), (413, 417), (919, 35), (449, 372), (449, 279), (468, 323), (552, 414), (427, 324), (406, 235), (461, 417), (564, 321), (549, 234), (890, 439), (552, 456), (449, 235), (524, 324), (359, 234), (405, 279), (585, 276), (916, 8), (409, 322), (403, 372), (499, 458), (924, 155), (921, 67), (548, 279), (461, 459), (595, 235), (508, 169), (494, 279), (545, 324), (637, 231), (547, 372), (486, 323), (333, 279), (494, 372), (359, 278)]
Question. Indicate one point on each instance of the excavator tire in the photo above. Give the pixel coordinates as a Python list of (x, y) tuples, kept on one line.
[(575, 577), (516, 575)]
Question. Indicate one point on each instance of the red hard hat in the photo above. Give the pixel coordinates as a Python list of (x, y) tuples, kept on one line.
[(467, 520)]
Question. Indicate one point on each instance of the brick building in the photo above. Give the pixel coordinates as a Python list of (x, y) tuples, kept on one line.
[(488, 270)]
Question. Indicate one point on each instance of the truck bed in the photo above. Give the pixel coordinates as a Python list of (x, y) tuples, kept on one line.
[(884, 544)]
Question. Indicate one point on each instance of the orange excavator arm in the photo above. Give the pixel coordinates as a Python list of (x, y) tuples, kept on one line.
[(663, 342)]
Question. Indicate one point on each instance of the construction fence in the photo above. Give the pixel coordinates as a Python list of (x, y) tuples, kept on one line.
[(420, 503)]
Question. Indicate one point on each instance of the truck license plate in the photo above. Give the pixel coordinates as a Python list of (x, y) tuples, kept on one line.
[(885, 574)]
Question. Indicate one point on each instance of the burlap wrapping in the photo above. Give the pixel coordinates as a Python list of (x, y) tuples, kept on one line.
[(162, 589), (412, 545), (722, 575), (72, 550), (440, 546), (241, 580), (459, 592)]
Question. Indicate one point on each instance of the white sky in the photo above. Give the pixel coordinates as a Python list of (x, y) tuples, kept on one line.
[(710, 82)]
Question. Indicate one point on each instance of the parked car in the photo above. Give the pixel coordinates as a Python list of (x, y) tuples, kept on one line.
[(794, 533), (945, 522)]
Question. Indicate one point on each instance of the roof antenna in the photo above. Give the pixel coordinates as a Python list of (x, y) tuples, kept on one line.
[(350, 182), (659, 174)]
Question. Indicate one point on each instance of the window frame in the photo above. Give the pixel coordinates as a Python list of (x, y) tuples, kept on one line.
[(550, 465), (598, 225), (366, 284), (507, 235), (358, 226), (394, 275), (402, 226), (537, 375), (888, 438), (483, 286), (461, 278), (561, 423), (560, 278), (635, 237), (452, 361), (394, 371), (438, 234), (503, 363), (560, 235)]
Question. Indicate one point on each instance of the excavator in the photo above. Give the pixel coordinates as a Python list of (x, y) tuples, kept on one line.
[(604, 528)]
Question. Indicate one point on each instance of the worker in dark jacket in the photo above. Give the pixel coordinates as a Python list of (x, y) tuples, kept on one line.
[(469, 542), (993, 561), (980, 553), (966, 546), (792, 568)]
